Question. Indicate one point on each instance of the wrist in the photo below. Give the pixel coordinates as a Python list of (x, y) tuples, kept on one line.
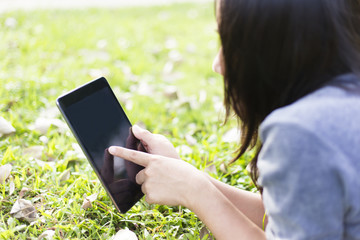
[(199, 187)]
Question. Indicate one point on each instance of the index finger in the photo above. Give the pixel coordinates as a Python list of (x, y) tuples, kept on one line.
[(140, 158)]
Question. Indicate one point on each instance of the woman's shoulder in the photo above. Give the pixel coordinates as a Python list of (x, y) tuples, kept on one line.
[(309, 162), (330, 115), (331, 110)]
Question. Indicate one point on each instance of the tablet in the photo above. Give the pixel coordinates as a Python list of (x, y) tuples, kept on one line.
[(98, 121)]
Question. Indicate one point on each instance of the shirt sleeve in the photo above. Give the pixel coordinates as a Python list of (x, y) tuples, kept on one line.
[(303, 193)]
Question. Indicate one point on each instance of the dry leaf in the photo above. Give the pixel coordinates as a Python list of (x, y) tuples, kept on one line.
[(102, 44), (5, 127), (76, 152), (96, 73), (171, 43), (90, 56), (124, 234), (11, 23), (23, 209), (223, 168), (50, 113), (191, 48), (23, 191), (88, 200), (47, 234), (175, 56), (64, 176), (211, 168), (204, 232), (12, 187), (143, 88), (184, 150), (42, 125), (172, 77), (202, 96), (5, 171), (168, 67), (171, 92), (43, 163), (233, 135), (44, 139), (34, 151), (190, 140), (123, 43)]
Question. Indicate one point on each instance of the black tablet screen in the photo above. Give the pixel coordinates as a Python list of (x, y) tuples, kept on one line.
[(98, 121)]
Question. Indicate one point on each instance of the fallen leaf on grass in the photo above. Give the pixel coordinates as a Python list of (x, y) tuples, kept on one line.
[(204, 232), (168, 67), (171, 43), (43, 163), (190, 140), (233, 135), (44, 139), (101, 44), (202, 96), (47, 234), (11, 187), (34, 151), (64, 176), (143, 88), (13, 225), (90, 56), (184, 150), (88, 200), (51, 112), (5, 171), (5, 127), (96, 73), (23, 209), (175, 56), (23, 191), (190, 103), (171, 92), (223, 168), (42, 125), (191, 48), (211, 168), (11, 23), (124, 234), (77, 151)]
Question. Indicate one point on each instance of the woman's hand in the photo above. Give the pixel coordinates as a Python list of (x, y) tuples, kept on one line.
[(164, 180), (155, 143)]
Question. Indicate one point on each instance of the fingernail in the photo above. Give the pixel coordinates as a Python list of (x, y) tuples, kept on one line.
[(136, 128), (112, 150)]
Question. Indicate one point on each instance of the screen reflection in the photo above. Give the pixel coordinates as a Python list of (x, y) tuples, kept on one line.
[(98, 122), (124, 190)]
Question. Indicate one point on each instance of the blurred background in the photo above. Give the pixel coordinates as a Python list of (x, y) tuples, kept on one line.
[(6, 5)]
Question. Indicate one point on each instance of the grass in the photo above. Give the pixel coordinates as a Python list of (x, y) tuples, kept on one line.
[(142, 52)]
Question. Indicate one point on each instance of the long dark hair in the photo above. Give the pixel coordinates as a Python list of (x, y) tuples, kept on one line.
[(275, 52)]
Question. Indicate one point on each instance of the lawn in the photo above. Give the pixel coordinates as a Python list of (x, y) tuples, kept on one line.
[(158, 61)]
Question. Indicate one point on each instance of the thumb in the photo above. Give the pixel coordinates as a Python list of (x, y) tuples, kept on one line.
[(142, 134)]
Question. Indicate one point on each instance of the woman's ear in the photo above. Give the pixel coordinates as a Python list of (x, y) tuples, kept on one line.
[(217, 64)]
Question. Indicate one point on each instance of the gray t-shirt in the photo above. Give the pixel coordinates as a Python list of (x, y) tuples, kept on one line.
[(309, 165)]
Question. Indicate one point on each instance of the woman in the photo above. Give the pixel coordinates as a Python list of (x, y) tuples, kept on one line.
[(290, 70)]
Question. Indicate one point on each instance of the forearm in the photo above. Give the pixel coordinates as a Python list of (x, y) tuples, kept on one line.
[(250, 204), (221, 216)]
